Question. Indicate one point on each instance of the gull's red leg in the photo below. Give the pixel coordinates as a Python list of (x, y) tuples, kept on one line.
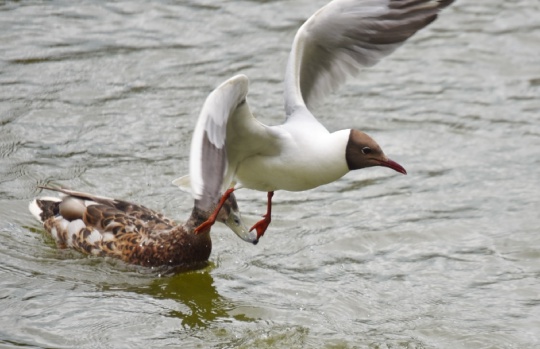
[(212, 219), (262, 225)]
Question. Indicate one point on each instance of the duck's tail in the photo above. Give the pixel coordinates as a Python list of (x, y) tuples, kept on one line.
[(45, 207), (62, 219)]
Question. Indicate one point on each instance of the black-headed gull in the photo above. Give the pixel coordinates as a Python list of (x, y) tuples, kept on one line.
[(301, 153)]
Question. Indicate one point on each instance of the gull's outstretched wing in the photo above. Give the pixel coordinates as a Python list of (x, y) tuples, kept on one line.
[(225, 134), (347, 34)]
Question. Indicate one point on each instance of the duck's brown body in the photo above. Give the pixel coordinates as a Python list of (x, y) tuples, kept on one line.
[(107, 227)]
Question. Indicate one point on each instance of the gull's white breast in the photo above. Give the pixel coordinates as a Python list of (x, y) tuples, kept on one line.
[(307, 160)]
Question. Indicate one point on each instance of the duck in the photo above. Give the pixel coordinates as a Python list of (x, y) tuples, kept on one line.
[(301, 154), (101, 226)]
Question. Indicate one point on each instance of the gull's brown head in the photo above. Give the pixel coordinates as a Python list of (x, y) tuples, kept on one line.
[(362, 151)]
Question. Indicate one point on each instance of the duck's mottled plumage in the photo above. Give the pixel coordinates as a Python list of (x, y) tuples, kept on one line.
[(101, 226)]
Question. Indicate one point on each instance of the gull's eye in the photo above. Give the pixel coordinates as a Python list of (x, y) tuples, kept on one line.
[(366, 150)]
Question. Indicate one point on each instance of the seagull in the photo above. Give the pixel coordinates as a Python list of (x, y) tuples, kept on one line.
[(301, 153)]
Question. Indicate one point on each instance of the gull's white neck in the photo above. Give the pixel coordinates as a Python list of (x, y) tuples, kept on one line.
[(322, 157)]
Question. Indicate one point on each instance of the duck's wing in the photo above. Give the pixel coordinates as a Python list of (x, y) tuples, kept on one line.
[(225, 134), (344, 35), (146, 217), (97, 225)]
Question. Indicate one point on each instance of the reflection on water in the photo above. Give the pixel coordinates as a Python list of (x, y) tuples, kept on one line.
[(102, 97), (195, 291)]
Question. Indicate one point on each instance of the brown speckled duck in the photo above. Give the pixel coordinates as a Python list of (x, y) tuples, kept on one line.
[(102, 226)]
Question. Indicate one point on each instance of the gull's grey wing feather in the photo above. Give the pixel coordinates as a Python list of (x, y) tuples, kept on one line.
[(347, 34), (225, 134)]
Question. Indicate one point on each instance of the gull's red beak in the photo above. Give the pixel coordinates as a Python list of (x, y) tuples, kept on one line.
[(393, 165)]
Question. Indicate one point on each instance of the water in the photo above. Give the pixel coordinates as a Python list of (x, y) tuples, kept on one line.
[(102, 97)]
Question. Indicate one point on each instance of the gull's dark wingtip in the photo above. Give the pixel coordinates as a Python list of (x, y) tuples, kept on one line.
[(445, 3)]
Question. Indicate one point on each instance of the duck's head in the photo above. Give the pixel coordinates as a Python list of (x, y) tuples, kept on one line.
[(362, 151), (231, 217)]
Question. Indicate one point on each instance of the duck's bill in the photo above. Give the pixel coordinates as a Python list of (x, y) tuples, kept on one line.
[(236, 224)]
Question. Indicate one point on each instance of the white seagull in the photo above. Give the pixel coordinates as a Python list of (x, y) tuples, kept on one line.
[(301, 153)]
